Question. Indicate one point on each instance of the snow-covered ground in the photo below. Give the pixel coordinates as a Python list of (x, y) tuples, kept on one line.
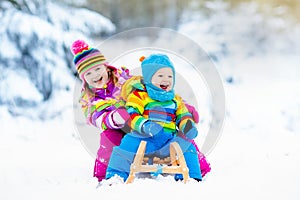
[(257, 156)]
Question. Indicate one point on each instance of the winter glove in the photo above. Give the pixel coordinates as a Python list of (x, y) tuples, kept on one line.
[(120, 116), (150, 128), (189, 130), (194, 112), (156, 131)]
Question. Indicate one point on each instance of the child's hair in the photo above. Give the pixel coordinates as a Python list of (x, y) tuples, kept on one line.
[(112, 75)]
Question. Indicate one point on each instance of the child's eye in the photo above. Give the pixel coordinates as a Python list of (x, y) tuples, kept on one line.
[(87, 74), (160, 76), (98, 68), (170, 76)]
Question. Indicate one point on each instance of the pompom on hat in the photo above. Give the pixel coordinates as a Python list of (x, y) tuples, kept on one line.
[(86, 58)]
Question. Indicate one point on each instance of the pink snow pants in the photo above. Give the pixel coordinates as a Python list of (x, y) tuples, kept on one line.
[(204, 165), (108, 139)]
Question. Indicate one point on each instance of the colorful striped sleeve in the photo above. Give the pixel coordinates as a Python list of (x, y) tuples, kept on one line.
[(99, 113), (182, 113), (106, 108), (135, 106)]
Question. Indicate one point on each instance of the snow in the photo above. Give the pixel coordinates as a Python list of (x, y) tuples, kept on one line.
[(96, 23), (22, 86), (38, 43), (257, 156)]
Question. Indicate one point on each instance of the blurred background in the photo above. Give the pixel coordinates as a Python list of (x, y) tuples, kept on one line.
[(37, 34), (255, 46), (168, 13)]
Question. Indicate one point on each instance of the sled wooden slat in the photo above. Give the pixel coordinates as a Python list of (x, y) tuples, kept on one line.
[(175, 164)]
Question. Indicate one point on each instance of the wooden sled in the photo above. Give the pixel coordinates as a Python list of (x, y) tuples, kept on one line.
[(175, 164)]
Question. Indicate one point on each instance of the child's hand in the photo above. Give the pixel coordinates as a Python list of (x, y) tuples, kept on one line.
[(189, 130), (151, 128), (158, 136), (120, 116), (193, 111)]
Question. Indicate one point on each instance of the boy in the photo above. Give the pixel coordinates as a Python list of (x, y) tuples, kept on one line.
[(156, 113)]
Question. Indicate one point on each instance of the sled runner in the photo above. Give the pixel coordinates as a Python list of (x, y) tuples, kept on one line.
[(175, 164)]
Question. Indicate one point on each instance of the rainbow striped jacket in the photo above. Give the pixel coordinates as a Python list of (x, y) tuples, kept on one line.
[(171, 115)]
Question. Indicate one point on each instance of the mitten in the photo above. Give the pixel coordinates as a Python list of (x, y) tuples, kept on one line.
[(158, 136), (120, 116), (189, 130), (150, 128), (194, 112)]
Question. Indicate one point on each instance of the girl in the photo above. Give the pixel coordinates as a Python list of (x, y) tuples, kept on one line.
[(101, 84)]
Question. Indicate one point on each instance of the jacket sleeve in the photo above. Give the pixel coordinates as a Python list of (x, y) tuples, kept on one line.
[(135, 104), (182, 113), (102, 113), (99, 113)]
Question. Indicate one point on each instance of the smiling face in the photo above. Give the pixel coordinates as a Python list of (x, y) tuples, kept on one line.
[(97, 77), (163, 79)]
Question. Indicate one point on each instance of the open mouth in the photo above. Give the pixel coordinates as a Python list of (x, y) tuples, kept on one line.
[(98, 80), (164, 86)]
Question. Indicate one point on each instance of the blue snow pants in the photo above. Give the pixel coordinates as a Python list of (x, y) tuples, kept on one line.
[(123, 155)]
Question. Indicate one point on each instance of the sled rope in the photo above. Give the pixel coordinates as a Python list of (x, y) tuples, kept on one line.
[(158, 171)]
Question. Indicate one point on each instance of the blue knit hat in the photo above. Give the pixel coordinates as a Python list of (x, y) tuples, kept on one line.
[(154, 62)]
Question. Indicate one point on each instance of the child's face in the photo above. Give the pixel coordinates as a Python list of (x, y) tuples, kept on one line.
[(163, 78), (97, 77)]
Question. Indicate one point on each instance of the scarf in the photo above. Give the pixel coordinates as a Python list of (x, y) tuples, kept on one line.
[(159, 94)]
